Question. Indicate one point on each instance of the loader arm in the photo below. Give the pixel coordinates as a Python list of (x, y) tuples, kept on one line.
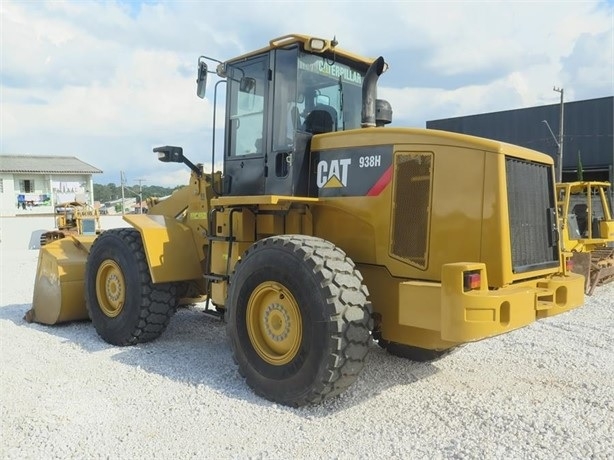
[(175, 204)]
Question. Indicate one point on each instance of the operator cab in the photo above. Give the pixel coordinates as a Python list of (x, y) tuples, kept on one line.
[(276, 100)]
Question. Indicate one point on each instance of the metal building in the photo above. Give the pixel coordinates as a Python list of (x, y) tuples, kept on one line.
[(587, 133)]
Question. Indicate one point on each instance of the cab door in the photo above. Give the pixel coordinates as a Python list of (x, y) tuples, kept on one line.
[(246, 122)]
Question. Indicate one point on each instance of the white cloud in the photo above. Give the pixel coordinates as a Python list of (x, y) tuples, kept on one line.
[(591, 63), (106, 82)]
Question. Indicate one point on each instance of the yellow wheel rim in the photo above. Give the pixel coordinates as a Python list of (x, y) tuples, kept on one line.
[(274, 323), (110, 288)]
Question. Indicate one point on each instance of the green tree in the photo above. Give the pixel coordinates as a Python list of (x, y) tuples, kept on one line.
[(580, 169), (111, 192)]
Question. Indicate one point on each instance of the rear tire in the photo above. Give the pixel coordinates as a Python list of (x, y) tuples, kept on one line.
[(298, 319), (126, 308)]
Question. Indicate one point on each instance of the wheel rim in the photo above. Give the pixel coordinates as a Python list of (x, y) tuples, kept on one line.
[(274, 323), (110, 288)]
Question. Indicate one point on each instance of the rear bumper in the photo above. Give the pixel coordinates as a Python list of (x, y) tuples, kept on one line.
[(462, 316)]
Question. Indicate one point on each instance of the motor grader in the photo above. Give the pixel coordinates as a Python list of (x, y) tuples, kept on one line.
[(325, 230), (587, 230)]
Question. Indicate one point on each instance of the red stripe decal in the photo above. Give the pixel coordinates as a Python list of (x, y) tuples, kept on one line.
[(381, 183)]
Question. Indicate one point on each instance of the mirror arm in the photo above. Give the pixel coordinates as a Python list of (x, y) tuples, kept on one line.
[(198, 171), (172, 154)]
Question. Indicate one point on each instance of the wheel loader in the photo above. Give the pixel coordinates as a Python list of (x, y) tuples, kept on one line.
[(325, 230), (587, 229)]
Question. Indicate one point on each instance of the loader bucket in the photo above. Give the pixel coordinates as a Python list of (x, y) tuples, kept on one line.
[(59, 291)]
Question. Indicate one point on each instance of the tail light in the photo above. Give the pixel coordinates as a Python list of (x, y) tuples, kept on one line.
[(472, 280), (568, 265)]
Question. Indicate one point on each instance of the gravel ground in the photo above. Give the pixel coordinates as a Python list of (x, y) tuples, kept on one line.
[(544, 391)]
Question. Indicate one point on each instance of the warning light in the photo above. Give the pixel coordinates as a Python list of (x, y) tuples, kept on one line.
[(472, 280)]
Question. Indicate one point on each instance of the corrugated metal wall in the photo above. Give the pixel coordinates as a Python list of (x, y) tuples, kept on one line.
[(588, 129)]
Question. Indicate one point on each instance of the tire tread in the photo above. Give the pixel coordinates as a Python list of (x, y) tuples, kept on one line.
[(349, 313), (158, 301)]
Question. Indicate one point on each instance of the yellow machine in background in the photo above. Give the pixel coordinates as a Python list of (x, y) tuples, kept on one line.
[(73, 217), (325, 230), (587, 229)]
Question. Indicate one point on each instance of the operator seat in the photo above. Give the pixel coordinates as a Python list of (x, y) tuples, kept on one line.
[(322, 119), (581, 212)]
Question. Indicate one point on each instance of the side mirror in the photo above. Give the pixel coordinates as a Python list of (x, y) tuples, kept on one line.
[(201, 80), (169, 154), (172, 154), (247, 85)]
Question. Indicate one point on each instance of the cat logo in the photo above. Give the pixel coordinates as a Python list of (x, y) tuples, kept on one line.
[(333, 174)]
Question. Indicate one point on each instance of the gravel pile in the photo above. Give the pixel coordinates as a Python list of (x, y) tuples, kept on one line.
[(544, 391)]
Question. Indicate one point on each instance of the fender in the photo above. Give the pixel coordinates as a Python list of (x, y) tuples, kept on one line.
[(169, 247)]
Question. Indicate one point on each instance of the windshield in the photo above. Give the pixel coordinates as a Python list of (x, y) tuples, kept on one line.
[(332, 86)]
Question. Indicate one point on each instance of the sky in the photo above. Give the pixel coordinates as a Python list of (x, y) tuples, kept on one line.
[(107, 81)]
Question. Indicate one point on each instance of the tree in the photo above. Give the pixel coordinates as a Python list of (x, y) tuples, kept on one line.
[(111, 192), (580, 169)]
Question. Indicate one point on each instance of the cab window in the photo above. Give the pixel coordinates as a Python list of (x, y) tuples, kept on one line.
[(247, 107)]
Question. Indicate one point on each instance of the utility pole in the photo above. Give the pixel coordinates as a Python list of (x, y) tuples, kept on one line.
[(125, 187), (141, 195), (122, 179), (560, 143)]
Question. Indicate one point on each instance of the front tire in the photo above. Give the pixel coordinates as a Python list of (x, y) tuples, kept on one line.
[(124, 305), (298, 319)]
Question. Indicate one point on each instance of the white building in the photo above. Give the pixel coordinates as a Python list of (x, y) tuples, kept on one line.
[(31, 184)]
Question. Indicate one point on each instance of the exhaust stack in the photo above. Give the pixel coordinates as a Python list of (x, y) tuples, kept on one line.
[(369, 92)]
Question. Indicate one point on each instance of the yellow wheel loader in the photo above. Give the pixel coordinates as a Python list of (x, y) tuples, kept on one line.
[(587, 228), (324, 231)]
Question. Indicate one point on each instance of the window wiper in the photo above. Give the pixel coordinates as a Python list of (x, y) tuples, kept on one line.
[(341, 103)]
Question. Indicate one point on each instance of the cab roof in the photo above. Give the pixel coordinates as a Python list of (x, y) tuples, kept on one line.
[(308, 43)]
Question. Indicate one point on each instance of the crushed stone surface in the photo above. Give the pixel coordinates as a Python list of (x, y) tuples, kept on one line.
[(541, 392)]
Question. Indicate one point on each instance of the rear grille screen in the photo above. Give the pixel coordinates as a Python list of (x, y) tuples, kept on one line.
[(531, 199), (411, 207)]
